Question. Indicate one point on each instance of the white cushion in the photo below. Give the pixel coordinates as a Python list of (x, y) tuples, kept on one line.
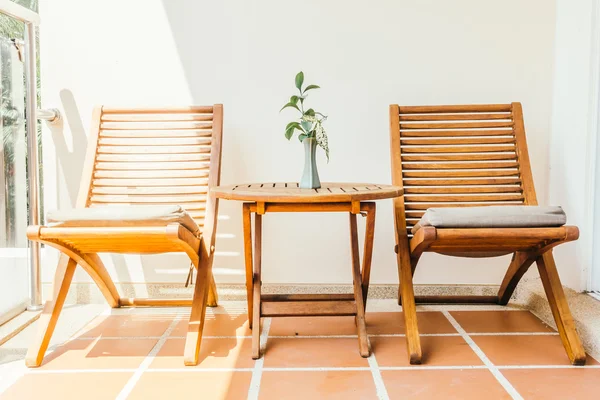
[(493, 217), (117, 216)]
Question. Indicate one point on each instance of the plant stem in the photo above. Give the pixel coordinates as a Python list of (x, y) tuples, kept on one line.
[(301, 102)]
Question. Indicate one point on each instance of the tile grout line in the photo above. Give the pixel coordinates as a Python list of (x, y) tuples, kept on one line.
[(513, 334), (319, 336), (316, 369), (233, 369), (380, 388), (491, 367), (124, 393), (548, 367), (433, 367), (450, 307), (257, 371)]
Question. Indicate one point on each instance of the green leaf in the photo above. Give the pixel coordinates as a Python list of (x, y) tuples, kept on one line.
[(289, 132), (299, 80), (310, 112), (294, 99), (289, 105), (311, 87), (294, 125), (306, 125), (290, 125), (302, 136)]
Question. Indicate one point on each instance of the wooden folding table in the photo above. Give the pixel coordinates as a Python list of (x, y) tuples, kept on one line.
[(354, 198)]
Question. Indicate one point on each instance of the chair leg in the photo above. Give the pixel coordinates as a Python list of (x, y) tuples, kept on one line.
[(560, 309), (427, 236), (256, 285), (363, 341), (193, 337), (413, 268), (213, 297), (368, 251), (247, 222), (402, 247), (519, 264), (409, 309), (52, 308)]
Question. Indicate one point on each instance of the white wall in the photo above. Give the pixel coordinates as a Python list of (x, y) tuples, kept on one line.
[(365, 56), (574, 131)]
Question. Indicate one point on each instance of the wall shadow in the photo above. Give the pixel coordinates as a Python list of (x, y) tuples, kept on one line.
[(71, 158)]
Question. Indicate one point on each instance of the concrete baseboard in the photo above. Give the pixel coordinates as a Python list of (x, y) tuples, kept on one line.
[(88, 293)]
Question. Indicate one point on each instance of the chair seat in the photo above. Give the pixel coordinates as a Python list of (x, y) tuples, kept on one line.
[(493, 217), (123, 216)]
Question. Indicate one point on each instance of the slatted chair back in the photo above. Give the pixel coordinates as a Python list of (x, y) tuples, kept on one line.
[(155, 156), (459, 156)]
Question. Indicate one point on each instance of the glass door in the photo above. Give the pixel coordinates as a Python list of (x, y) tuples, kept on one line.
[(14, 292), (594, 284)]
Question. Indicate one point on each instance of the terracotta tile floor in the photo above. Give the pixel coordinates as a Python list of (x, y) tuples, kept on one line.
[(494, 353)]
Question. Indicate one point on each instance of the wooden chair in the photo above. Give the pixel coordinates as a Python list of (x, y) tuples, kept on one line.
[(166, 156), (460, 156)]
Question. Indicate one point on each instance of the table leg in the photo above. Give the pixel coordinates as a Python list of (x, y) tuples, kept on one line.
[(368, 250), (363, 341), (256, 283), (247, 222)]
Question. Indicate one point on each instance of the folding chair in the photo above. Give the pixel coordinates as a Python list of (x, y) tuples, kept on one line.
[(145, 190), (466, 156)]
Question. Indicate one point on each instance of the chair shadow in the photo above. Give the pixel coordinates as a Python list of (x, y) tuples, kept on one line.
[(217, 343), (98, 339), (70, 160)]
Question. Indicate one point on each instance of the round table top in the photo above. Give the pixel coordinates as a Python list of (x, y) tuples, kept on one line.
[(289, 192)]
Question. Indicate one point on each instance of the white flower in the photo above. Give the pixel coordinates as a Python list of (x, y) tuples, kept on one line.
[(309, 118), (321, 137)]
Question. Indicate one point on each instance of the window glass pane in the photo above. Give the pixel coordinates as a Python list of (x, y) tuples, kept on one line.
[(13, 180)]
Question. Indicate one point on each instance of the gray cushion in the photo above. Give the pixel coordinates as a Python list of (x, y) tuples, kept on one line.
[(118, 216), (493, 217)]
